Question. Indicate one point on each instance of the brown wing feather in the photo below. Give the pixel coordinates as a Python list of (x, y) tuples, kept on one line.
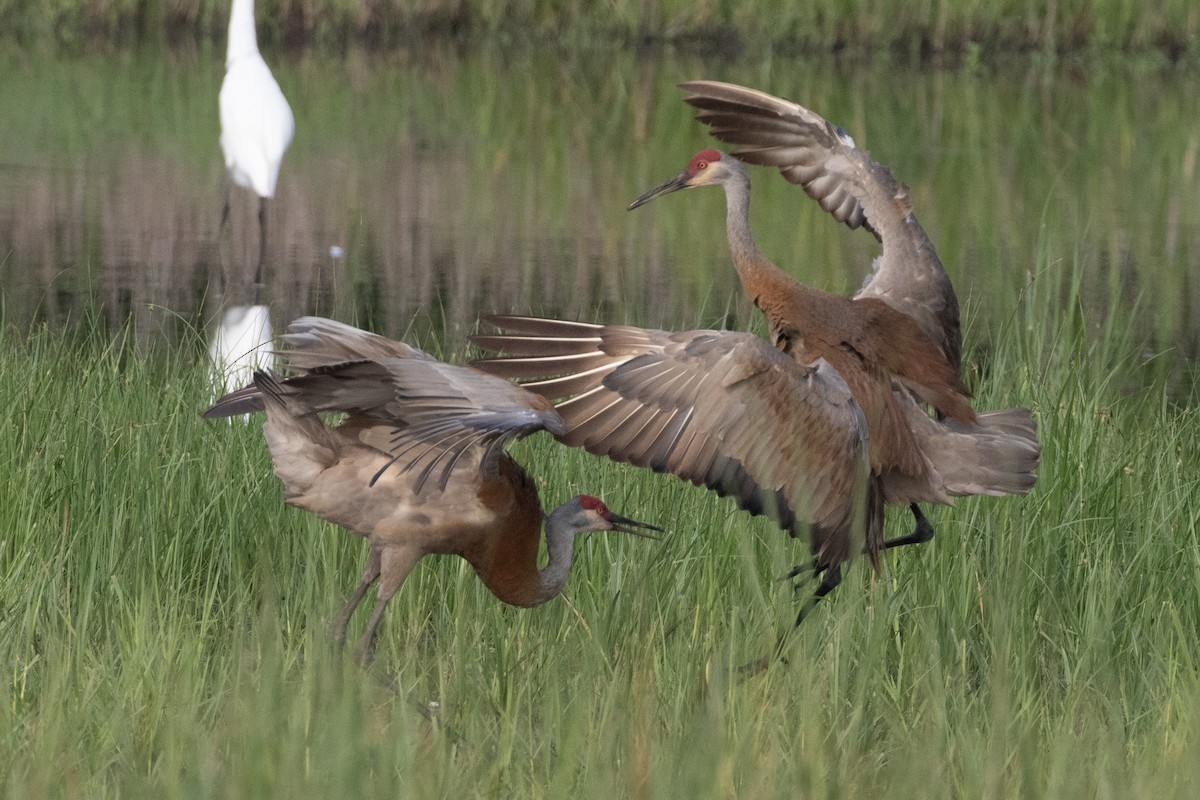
[(437, 411), (314, 342), (908, 275), (315, 345), (720, 409), (810, 151), (426, 414), (771, 131)]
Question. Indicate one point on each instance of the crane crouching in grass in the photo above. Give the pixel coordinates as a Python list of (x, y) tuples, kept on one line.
[(418, 464)]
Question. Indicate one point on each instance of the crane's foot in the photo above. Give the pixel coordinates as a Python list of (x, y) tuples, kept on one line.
[(922, 533), (831, 578), (758, 666), (801, 569), (364, 654)]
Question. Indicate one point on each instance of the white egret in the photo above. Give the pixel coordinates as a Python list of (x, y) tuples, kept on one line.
[(256, 128), (256, 121)]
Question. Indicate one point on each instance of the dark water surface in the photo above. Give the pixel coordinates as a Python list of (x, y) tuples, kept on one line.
[(425, 188)]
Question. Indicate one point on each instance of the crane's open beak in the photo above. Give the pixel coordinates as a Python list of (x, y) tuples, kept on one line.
[(680, 181), (627, 525)]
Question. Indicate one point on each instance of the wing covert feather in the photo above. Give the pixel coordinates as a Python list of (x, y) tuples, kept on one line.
[(314, 342)]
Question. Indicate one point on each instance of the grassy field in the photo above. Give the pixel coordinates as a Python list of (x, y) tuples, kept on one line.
[(963, 27), (164, 614)]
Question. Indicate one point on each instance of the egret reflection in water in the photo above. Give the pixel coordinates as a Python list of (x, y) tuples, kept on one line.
[(241, 345)]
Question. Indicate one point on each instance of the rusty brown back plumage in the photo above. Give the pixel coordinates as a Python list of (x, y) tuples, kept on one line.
[(869, 343)]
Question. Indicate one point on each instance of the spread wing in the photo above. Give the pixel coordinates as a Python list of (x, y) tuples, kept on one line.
[(424, 413), (822, 158), (312, 345), (720, 409), (439, 413)]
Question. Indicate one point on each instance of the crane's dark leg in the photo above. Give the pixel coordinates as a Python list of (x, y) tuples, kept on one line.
[(262, 249), (800, 569), (831, 577), (369, 576), (922, 533), (395, 564)]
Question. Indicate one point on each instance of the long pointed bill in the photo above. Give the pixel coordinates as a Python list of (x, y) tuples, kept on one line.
[(680, 181), (630, 526)]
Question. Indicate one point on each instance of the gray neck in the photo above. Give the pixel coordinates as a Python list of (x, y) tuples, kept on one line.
[(737, 217), (560, 547), (243, 41)]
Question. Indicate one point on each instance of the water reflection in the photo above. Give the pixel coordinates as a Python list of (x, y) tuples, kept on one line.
[(424, 188), (240, 345)]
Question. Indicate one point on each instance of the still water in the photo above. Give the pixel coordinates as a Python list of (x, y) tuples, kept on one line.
[(426, 187)]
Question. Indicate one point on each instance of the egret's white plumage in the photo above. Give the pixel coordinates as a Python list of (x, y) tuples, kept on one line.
[(256, 128), (256, 121)]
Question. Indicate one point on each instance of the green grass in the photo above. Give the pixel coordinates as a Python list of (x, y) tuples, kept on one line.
[(963, 27), (164, 614)]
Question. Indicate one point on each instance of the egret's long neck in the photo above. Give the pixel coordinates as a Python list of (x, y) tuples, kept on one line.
[(242, 39), (560, 549)]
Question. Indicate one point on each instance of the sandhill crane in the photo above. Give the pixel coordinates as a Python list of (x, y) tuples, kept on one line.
[(418, 464), (902, 325), (256, 122), (625, 393)]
